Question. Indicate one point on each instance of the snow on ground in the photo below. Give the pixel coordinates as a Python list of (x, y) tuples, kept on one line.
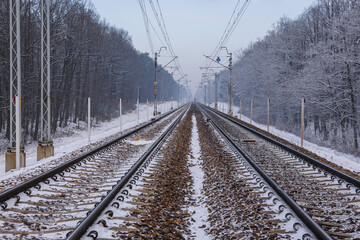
[(200, 214), (347, 161), (79, 137)]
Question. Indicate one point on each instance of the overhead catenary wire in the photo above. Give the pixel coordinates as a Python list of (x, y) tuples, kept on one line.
[(147, 22), (177, 62), (235, 18), (165, 39), (227, 26)]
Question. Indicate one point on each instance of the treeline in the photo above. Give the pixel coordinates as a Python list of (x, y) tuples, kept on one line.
[(315, 57), (89, 58)]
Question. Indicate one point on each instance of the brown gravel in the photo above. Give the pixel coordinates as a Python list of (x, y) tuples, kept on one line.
[(149, 132), (300, 149), (234, 209), (166, 217)]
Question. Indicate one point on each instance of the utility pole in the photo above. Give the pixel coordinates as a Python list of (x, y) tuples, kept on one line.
[(155, 82), (205, 94), (209, 100), (155, 85), (230, 86), (45, 145), (216, 96), (302, 121), (180, 89), (15, 89), (268, 114), (251, 110), (120, 106), (230, 112), (89, 119)]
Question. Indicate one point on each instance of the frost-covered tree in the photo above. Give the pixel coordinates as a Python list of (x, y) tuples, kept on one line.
[(315, 57)]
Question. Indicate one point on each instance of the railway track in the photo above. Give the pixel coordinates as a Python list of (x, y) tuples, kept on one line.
[(198, 180), (328, 200), (202, 193), (51, 204)]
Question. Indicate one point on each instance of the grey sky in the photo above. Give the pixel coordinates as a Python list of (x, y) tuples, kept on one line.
[(195, 26)]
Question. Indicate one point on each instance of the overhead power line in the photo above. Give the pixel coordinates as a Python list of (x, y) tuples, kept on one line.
[(235, 18), (160, 22)]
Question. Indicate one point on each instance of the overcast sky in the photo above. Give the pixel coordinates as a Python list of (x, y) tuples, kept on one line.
[(195, 26)]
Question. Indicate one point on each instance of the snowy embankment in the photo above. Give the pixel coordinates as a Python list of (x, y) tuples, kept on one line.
[(344, 160), (79, 137)]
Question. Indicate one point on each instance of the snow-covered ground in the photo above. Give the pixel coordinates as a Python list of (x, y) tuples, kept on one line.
[(79, 137), (199, 210), (347, 161)]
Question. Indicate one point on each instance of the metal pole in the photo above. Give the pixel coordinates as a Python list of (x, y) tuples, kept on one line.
[(18, 58), (120, 114), (209, 101), (240, 108), (230, 86), (302, 121), (147, 109), (155, 85), (216, 97), (268, 114), (42, 74), (89, 119), (181, 96), (137, 109), (205, 95), (171, 103), (45, 138), (48, 69), (15, 69), (251, 110), (12, 80), (18, 129)]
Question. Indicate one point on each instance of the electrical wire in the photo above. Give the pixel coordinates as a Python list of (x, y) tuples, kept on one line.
[(147, 22), (230, 28)]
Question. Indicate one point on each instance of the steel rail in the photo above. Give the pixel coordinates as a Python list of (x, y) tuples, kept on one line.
[(317, 230), (91, 217), (354, 181), (12, 192)]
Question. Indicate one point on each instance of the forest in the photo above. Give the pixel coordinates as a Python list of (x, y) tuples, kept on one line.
[(89, 58), (315, 57)]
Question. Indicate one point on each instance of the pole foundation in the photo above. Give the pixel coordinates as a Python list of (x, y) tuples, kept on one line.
[(45, 150), (10, 159)]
